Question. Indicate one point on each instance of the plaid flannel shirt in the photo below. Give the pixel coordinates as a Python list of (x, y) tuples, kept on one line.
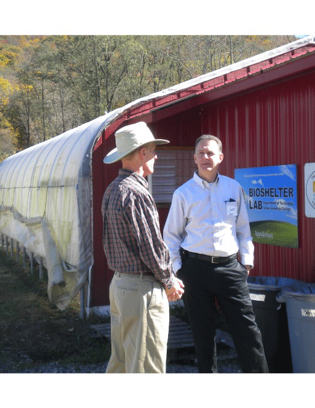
[(132, 239)]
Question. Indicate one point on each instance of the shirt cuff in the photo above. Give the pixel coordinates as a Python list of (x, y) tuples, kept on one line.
[(247, 260), (168, 283)]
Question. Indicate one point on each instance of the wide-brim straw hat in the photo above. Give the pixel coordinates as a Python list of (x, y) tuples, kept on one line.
[(129, 138)]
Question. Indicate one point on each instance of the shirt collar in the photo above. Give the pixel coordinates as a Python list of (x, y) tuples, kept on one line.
[(203, 183), (124, 173)]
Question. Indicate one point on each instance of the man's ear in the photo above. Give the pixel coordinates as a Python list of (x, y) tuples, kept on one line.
[(143, 151)]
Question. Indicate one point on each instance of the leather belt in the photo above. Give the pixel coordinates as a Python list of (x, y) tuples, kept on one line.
[(212, 259)]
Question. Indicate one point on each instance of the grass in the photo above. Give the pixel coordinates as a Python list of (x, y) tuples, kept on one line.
[(34, 332), (275, 232)]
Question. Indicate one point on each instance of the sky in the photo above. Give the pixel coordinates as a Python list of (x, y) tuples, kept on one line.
[(163, 17)]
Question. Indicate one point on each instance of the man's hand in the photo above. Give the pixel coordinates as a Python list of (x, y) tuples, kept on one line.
[(176, 291), (248, 267)]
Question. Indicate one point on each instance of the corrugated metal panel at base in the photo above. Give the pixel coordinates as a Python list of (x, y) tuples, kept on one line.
[(180, 335), (180, 345)]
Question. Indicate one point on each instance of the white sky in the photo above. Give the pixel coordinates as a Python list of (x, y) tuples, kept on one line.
[(274, 17)]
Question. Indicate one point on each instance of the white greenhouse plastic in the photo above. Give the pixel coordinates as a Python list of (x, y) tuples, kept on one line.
[(45, 205)]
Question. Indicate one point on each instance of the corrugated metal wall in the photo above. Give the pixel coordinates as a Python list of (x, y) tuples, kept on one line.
[(271, 126), (271, 123)]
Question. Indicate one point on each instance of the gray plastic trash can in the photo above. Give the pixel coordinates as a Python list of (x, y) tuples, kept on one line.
[(271, 318), (300, 305)]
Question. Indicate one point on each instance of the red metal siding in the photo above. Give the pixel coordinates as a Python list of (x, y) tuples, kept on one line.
[(99, 283), (265, 127), (102, 177), (264, 120), (272, 126)]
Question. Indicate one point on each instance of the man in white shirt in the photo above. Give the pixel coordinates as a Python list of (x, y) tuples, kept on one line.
[(207, 226)]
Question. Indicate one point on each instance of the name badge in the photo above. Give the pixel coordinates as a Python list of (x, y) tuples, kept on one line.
[(231, 209)]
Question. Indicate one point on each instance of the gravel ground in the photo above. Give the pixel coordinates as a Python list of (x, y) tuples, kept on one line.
[(36, 338), (55, 368), (183, 361), (227, 363)]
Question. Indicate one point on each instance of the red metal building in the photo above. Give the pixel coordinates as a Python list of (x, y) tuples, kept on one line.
[(263, 110)]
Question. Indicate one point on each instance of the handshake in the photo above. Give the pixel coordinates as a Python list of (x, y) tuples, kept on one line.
[(176, 291)]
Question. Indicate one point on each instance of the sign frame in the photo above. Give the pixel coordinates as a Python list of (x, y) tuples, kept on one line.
[(309, 185), (272, 204)]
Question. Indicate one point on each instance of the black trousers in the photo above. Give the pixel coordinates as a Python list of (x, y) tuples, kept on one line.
[(205, 282)]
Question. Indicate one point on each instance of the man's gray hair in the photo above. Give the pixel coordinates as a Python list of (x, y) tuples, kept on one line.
[(209, 137)]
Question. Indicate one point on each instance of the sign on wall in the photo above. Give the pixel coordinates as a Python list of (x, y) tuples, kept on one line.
[(271, 200), (309, 180)]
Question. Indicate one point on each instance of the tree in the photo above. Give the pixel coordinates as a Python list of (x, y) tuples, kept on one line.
[(6, 141), (49, 84)]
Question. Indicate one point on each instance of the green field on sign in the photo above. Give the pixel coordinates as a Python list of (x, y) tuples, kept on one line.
[(275, 233)]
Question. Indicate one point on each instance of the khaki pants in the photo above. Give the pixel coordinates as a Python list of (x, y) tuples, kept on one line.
[(139, 325)]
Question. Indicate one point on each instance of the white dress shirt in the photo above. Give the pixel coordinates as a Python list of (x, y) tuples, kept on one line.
[(209, 219)]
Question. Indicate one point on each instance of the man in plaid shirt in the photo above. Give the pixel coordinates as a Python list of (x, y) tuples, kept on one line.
[(143, 281)]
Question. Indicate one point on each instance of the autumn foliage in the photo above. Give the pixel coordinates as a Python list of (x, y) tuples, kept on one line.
[(49, 84)]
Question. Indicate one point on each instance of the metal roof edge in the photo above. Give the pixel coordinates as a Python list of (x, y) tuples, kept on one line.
[(102, 122), (256, 59), (309, 40)]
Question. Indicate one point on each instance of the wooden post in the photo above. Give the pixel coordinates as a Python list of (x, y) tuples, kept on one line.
[(41, 269), (24, 257), (32, 263), (17, 251)]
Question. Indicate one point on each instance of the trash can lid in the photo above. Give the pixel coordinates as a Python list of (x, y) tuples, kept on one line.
[(297, 290), (269, 282)]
